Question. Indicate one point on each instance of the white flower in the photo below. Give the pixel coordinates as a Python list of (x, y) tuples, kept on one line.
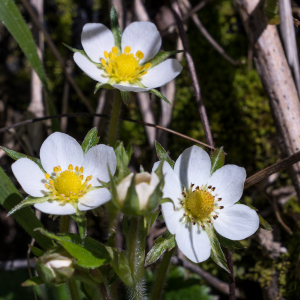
[(129, 70), (202, 200), (71, 176), (145, 185), (58, 263)]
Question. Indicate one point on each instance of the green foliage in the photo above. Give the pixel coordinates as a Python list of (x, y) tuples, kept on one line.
[(90, 140), (162, 56), (217, 160), (162, 154)]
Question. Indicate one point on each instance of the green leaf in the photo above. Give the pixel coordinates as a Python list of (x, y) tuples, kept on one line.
[(217, 160), (161, 245), (15, 24), (101, 85), (16, 155), (162, 56), (90, 140), (264, 224), (123, 157), (160, 95), (113, 190), (91, 254), (216, 253), (115, 28), (9, 198), (229, 244), (162, 153), (125, 97), (156, 196), (33, 281), (37, 251), (131, 203), (28, 201)]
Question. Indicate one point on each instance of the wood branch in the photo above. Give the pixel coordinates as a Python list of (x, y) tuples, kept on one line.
[(277, 79), (289, 38), (16, 264), (191, 66), (140, 11), (65, 102), (120, 8), (214, 282), (100, 107), (57, 55), (103, 116)]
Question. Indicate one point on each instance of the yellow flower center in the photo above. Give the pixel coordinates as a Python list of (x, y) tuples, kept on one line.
[(200, 204), (67, 185), (124, 66)]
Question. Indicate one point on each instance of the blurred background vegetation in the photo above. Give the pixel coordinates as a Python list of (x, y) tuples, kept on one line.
[(240, 120)]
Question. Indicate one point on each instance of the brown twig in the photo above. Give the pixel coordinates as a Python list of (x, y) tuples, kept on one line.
[(214, 282), (57, 54), (103, 116), (283, 164), (231, 276), (192, 69)]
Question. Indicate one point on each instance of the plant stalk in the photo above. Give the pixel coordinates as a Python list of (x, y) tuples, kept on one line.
[(161, 275), (136, 232), (73, 289), (114, 118), (64, 224)]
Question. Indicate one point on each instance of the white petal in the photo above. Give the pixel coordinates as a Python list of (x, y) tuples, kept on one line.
[(237, 222), (129, 88), (172, 188), (30, 177), (56, 208), (154, 180), (123, 186), (89, 68), (161, 74), (60, 149), (93, 199), (96, 38), (144, 191), (193, 166), (96, 162), (193, 242), (172, 217), (142, 36), (229, 183)]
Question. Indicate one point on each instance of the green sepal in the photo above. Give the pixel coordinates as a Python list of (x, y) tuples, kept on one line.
[(101, 85), (162, 56), (229, 244), (125, 97), (115, 28), (216, 253), (123, 270), (91, 254), (159, 95), (111, 239), (81, 224), (28, 201), (162, 153), (76, 50), (131, 204), (217, 159), (152, 217), (90, 140), (156, 196), (45, 274), (113, 190), (16, 155), (123, 157), (161, 245), (34, 281), (264, 224), (37, 251)]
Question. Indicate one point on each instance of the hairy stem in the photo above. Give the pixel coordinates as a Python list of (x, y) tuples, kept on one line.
[(136, 232), (114, 118), (73, 289), (161, 275)]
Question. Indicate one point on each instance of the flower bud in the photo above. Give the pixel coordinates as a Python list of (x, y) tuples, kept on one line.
[(55, 268), (145, 185)]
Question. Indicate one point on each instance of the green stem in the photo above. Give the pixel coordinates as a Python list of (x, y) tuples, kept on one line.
[(136, 242), (161, 275), (114, 118), (73, 289), (64, 224)]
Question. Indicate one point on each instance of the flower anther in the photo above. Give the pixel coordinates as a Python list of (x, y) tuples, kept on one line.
[(68, 185)]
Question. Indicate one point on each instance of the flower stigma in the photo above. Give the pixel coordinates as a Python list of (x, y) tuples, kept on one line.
[(200, 205), (68, 185), (124, 66)]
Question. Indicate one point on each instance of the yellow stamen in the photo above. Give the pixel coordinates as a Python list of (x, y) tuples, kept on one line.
[(105, 54), (127, 49), (147, 66), (115, 50), (139, 54), (70, 168), (47, 176), (81, 170), (76, 168), (47, 186), (103, 61)]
